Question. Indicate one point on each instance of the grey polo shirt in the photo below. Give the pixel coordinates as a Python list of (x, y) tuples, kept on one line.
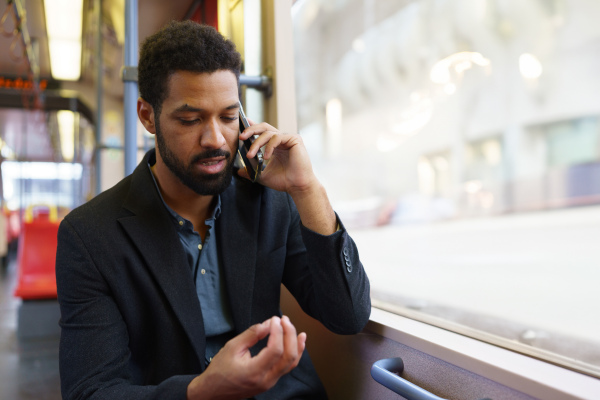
[(203, 258)]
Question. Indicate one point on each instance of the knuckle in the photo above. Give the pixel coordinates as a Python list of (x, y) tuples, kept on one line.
[(294, 357), (289, 359), (278, 351)]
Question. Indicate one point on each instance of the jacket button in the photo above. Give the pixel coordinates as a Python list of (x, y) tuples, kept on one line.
[(349, 268), (345, 251)]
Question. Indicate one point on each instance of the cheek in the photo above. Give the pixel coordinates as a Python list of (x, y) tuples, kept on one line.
[(183, 137), (180, 144)]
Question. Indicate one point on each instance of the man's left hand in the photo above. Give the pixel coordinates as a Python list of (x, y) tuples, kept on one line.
[(289, 168)]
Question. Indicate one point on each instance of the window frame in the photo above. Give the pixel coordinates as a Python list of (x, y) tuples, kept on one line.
[(510, 367)]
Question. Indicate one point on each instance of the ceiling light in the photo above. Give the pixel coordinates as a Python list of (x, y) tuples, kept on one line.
[(66, 128), (63, 24)]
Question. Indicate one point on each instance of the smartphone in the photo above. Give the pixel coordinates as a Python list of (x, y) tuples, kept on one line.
[(254, 166)]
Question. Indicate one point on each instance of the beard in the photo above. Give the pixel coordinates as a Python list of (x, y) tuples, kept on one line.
[(202, 184)]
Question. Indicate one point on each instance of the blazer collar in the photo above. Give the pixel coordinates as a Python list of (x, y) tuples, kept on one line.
[(237, 233), (152, 232)]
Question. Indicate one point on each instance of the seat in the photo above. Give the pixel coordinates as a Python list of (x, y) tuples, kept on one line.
[(36, 254)]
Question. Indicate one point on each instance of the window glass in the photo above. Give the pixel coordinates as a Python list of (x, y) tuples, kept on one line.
[(40, 183), (460, 144)]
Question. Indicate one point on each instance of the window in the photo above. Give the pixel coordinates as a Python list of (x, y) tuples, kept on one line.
[(40, 183), (460, 144)]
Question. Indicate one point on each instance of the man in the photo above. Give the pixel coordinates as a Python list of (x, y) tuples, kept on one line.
[(169, 282)]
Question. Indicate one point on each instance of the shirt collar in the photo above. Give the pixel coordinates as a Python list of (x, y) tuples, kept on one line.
[(179, 219)]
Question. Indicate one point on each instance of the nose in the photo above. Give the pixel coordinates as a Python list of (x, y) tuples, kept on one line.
[(212, 136)]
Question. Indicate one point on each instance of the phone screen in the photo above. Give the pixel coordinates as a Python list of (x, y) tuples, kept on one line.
[(253, 166)]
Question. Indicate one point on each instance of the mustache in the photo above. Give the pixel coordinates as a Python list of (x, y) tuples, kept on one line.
[(211, 154)]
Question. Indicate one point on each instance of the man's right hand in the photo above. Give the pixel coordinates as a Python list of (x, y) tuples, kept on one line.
[(234, 374)]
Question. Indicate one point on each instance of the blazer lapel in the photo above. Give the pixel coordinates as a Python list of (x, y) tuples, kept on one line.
[(237, 232), (154, 235)]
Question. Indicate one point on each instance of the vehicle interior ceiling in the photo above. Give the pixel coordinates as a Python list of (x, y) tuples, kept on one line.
[(25, 126)]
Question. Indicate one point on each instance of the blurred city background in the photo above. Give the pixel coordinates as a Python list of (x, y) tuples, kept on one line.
[(460, 143)]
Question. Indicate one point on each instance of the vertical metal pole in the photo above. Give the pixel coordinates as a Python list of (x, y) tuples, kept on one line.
[(22, 155), (253, 56), (99, 98), (74, 183), (131, 87)]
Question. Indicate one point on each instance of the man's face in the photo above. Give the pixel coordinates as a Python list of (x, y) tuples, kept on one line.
[(197, 130)]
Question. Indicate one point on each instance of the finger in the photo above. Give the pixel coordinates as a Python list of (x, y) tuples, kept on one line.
[(251, 336), (262, 140), (270, 355), (290, 342), (301, 344), (276, 335), (257, 129), (273, 143), (282, 140), (257, 133)]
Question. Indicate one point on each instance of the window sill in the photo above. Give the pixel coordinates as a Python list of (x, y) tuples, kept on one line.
[(529, 375)]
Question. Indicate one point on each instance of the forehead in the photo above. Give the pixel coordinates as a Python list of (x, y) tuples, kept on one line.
[(201, 89)]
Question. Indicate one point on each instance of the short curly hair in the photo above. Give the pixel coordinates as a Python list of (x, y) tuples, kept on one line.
[(182, 46)]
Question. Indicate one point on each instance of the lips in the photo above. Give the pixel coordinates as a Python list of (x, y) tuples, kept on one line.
[(211, 165)]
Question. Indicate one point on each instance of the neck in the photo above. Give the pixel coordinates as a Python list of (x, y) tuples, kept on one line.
[(183, 200)]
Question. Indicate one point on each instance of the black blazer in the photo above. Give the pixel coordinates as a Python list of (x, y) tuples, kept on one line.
[(131, 320)]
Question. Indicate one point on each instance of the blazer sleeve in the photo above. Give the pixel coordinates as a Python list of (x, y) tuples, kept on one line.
[(325, 275), (94, 357)]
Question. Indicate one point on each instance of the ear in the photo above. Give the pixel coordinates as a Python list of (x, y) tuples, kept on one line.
[(146, 115)]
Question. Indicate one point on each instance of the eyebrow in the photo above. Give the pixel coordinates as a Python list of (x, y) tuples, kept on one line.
[(187, 108)]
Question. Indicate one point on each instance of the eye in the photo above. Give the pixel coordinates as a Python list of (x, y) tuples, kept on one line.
[(188, 121), (231, 119)]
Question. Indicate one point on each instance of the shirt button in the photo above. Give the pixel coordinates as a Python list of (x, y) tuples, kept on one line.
[(200, 246), (203, 271), (180, 222)]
